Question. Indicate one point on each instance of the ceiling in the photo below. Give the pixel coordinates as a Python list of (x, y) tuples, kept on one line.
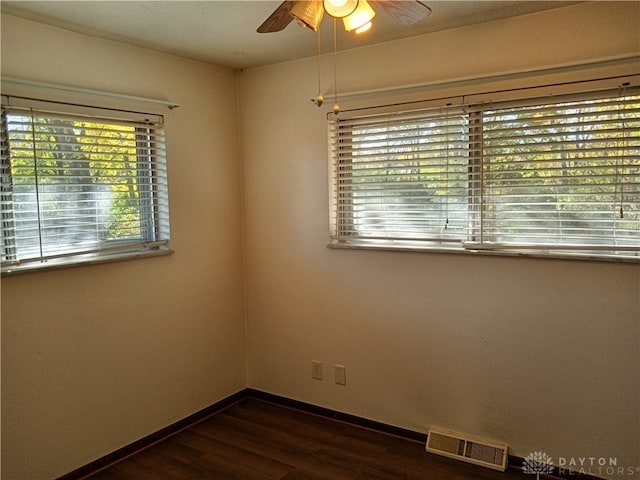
[(224, 32)]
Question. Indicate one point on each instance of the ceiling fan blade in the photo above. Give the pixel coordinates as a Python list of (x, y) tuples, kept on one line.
[(279, 19), (407, 12)]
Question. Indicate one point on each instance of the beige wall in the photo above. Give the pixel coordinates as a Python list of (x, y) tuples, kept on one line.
[(542, 354), (96, 357)]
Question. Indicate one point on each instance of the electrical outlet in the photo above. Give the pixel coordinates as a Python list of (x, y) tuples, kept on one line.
[(316, 370), (340, 374)]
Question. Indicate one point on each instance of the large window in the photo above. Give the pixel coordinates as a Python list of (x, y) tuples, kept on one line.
[(80, 185), (559, 176)]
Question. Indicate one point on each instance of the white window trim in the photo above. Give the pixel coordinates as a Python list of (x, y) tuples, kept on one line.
[(115, 250), (336, 241)]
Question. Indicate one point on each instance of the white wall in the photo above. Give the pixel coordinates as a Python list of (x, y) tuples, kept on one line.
[(543, 354), (96, 357)]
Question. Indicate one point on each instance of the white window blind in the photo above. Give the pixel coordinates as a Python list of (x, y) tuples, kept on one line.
[(403, 176), (78, 187), (559, 176)]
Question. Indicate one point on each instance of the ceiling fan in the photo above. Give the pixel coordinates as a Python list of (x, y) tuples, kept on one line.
[(356, 14)]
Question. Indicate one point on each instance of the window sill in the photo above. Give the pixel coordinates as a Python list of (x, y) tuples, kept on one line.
[(89, 259), (412, 246)]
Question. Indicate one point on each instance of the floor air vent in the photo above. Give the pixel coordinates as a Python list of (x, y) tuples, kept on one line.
[(469, 449)]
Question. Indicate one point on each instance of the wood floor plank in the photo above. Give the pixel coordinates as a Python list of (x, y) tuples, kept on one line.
[(260, 466), (289, 420), (257, 440)]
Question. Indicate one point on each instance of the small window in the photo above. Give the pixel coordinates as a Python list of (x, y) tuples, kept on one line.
[(81, 186), (552, 177)]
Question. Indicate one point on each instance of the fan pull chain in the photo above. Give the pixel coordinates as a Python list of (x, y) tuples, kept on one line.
[(336, 107), (319, 100)]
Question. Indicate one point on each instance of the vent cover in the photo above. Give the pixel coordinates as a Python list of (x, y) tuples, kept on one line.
[(469, 449)]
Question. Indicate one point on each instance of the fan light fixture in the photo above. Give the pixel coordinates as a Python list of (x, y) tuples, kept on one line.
[(360, 19), (356, 14), (340, 8), (308, 14)]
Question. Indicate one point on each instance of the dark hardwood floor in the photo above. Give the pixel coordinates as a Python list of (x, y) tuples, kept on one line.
[(255, 439)]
